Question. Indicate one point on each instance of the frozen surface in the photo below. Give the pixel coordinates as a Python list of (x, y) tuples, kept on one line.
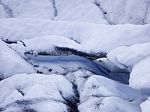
[(29, 9), (74, 56), (11, 63), (128, 56), (108, 104), (139, 77), (34, 90), (96, 11), (98, 86), (145, 106), (136, 59), (89, 35), (2, 14), (101, 94)]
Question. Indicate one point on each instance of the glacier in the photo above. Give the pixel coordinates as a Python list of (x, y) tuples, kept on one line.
[(74, 56)]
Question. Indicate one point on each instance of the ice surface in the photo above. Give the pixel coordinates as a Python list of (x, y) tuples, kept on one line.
[(128, 56), (89, 35), (11, 63), (139, 77), (35, 90), (145, 106), (60, 39)]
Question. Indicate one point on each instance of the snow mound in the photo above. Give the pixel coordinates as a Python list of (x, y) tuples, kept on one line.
[(97, 93), (60, 40), (139, 77), (96, 11), (44, 44), (36, 91), (98, 86), (29, 9), (11, 62), (108, 104), (129, 11), (127, 57), (2, 14), (136, 59), (145, 106), (79, 77), (79, 10), (89, 35)]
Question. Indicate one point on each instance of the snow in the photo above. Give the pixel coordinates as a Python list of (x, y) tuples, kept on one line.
[(77, 11), (85, 33), (139, 77), (136, 59), (108, 104), (41, 106), (99, 11), (97, 93), (31, 33), (11, 63), (50, 106), (98, 86), (30, 9), (128, 11), (46, 43), (109, 65), (128, 56), (145, 106), (36, 88), (2, 14), (79, 77), (56, 10)]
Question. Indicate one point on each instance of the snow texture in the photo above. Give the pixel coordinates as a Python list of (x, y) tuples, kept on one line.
[(74, 56)]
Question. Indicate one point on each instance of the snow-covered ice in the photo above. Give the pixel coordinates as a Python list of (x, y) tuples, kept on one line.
[(11, 63), (145, 106), (128, 56), (139, 77), (89, 35), (74, 56), (35, 90)]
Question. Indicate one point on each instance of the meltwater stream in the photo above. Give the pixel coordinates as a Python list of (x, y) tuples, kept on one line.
[(80, 62)]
